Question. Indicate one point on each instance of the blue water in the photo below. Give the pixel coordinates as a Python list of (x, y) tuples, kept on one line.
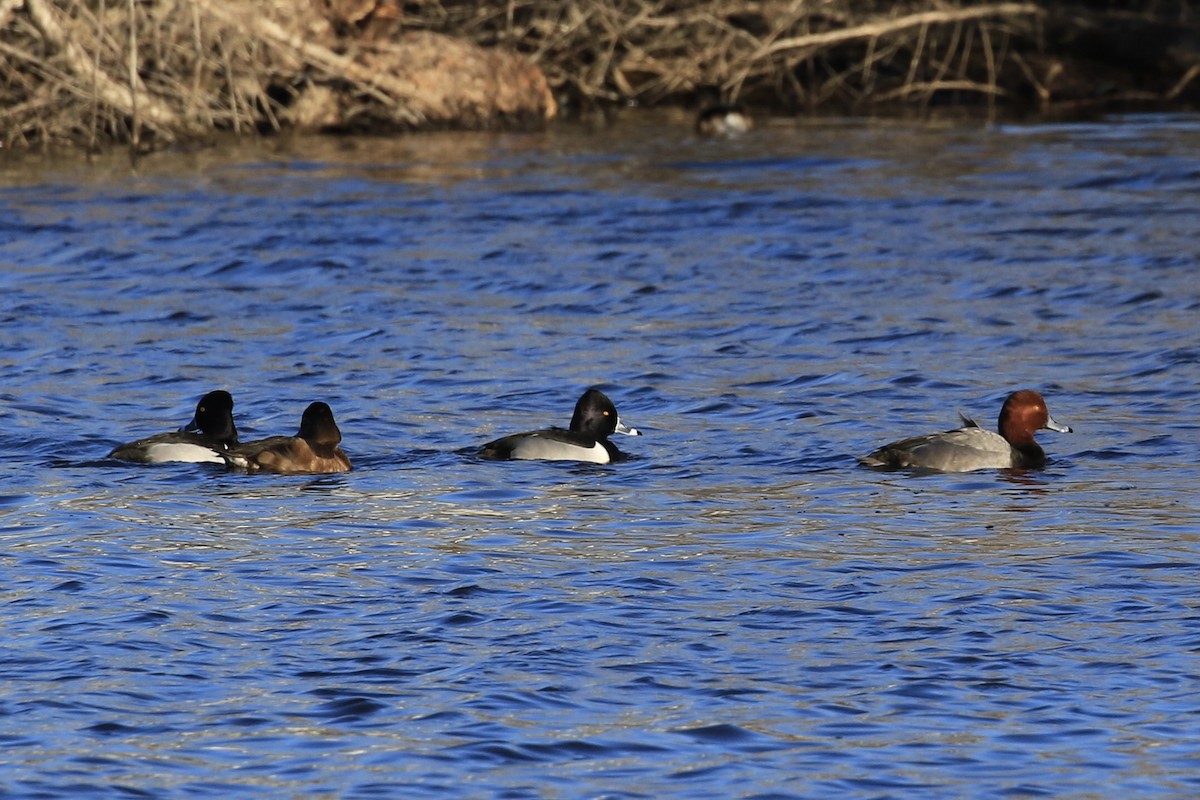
[(739, 610)]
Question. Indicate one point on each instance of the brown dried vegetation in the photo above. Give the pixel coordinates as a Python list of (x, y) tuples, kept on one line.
[(798, 56), (149, 72)]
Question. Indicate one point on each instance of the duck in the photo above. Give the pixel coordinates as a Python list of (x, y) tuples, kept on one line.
[(971, 447), (595, 419), (203, 440), (313, 450), (723, 121)]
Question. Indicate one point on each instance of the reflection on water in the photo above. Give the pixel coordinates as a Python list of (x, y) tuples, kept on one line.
[(739, 610)]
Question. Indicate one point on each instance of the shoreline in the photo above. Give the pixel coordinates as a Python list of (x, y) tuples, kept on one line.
[(184, 72)]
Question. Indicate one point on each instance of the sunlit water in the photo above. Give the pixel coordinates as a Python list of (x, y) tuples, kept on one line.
[(737, 611)]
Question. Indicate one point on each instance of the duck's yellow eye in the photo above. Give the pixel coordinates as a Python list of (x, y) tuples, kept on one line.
[(606, 413)]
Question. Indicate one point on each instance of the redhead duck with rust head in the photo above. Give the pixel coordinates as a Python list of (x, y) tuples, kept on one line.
[(971, 447)]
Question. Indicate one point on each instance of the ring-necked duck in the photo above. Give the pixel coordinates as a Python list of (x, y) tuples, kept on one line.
[(210, 433), (594, 421), (971, 447), (312, 451)]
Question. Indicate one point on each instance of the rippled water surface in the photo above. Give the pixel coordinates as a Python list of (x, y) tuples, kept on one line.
[(738, 610)]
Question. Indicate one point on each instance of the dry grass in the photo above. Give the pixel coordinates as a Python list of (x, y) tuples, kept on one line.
[(118, 70), (149, 72), (798, 55)]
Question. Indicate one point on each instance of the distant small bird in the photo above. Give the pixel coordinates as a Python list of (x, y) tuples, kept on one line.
[(723, 120)]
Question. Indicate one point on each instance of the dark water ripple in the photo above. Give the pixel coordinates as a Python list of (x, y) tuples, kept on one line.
[(738, 610)]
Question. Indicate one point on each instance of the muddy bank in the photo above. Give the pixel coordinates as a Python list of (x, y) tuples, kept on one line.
[(94, 73)]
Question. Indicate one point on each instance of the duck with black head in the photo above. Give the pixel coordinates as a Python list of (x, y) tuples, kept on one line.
[(971, 447), (210, 433), (595, 419)]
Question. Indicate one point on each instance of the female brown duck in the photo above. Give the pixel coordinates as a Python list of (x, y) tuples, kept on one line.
[(312, 451)]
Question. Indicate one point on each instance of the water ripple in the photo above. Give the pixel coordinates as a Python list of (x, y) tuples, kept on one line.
[(739, 610)]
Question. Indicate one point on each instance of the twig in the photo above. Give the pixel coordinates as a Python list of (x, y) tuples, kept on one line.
[(1175, 90), (198, 44), (1043, 92), (136, 134), (230, 77), (885, 27), (942, 67), (991, 69), (916, 56), (92, 141), (964, 58), (940, 86)]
